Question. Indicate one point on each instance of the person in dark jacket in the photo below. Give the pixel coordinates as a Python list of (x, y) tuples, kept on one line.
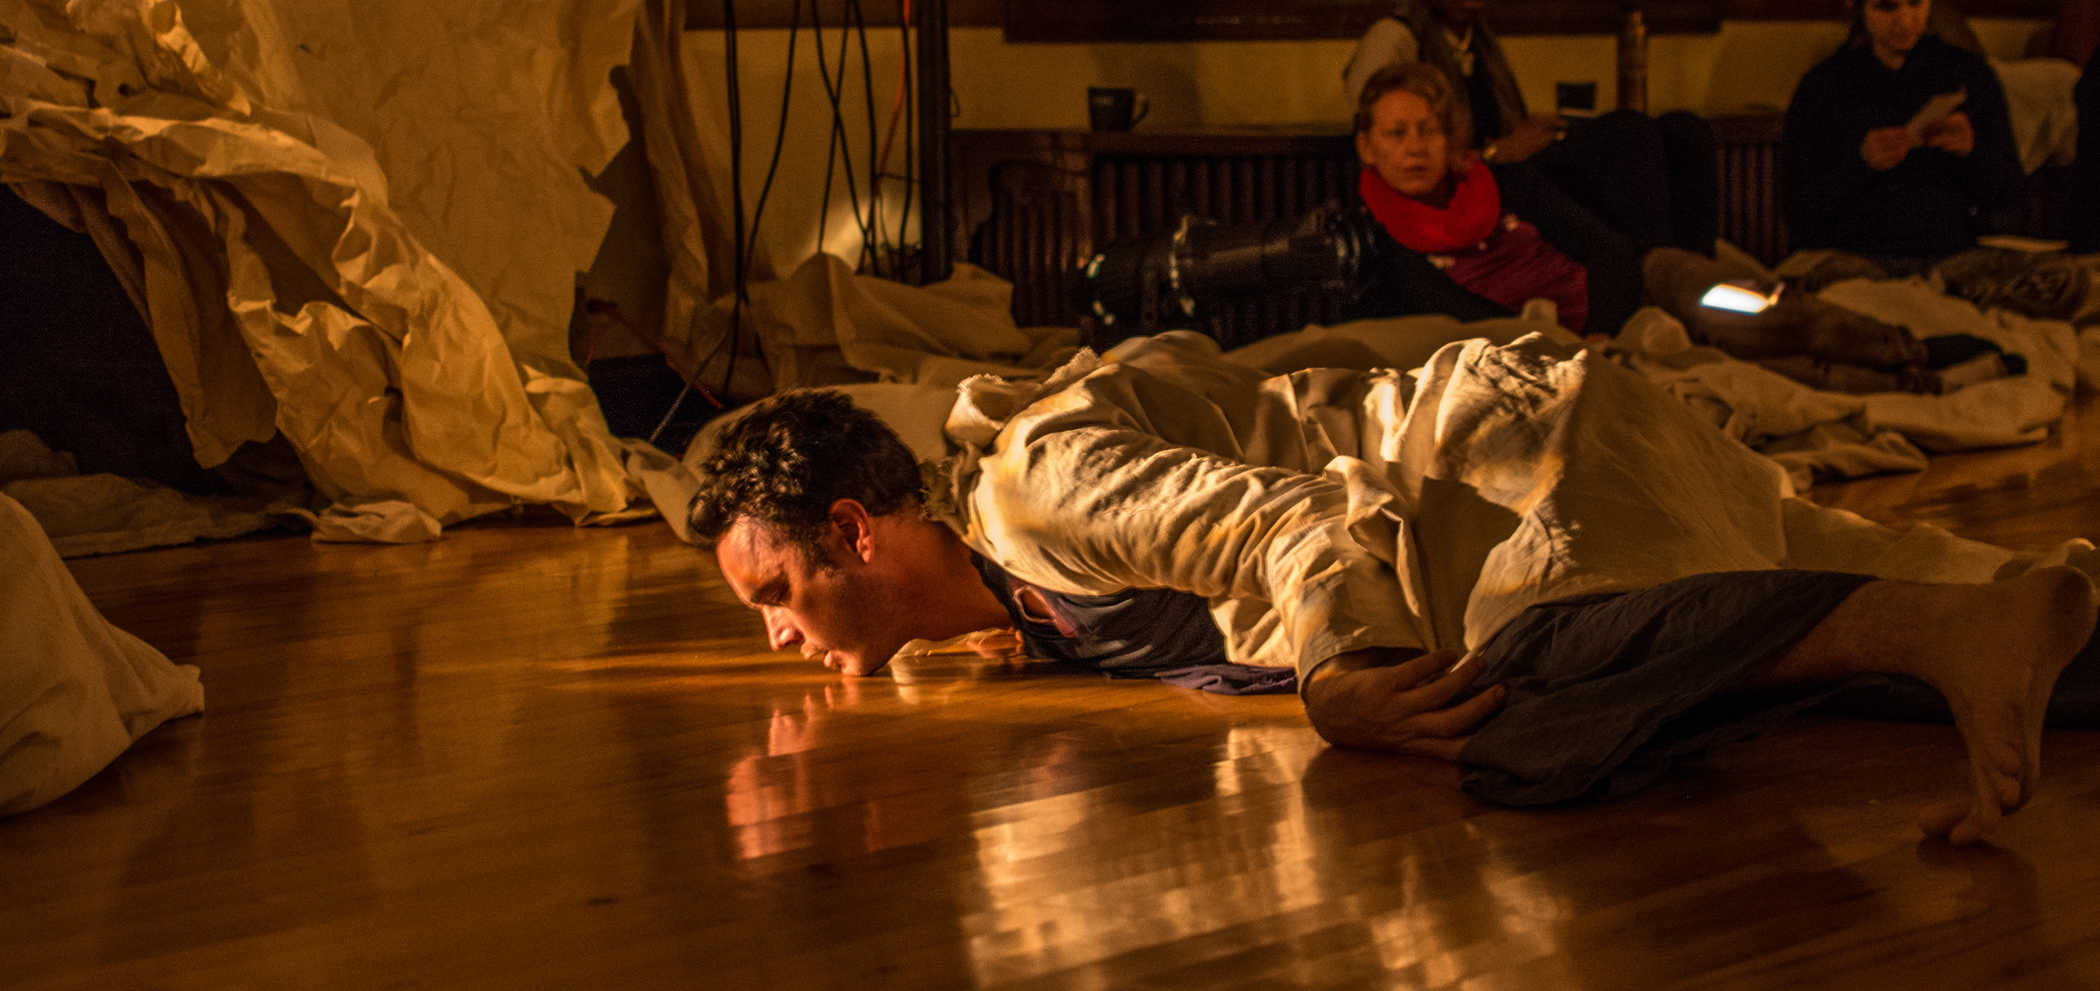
[(2085, 183), (1879, 158)]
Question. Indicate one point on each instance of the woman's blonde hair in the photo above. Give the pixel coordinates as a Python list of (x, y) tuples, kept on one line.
[(1425, 81)]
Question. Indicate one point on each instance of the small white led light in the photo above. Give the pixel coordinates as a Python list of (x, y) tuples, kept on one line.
[(1741, 299)]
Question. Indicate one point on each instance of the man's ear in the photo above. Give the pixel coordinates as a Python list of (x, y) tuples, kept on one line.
[(852, 524)]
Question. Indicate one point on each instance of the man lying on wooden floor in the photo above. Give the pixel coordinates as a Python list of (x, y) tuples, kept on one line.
[(1524, 559)]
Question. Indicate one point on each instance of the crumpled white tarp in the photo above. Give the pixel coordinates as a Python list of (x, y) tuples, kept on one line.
[(2040, 106), (1817, 434), (823, 325), (75, 690), (107, 514), (357, 226)]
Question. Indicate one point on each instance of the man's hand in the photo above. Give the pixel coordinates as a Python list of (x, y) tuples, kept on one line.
[(1884, 148), (1953, 134), (1381, 699), (1529, 137)]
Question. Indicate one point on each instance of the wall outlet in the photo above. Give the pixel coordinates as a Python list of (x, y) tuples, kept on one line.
[(1575, 99)]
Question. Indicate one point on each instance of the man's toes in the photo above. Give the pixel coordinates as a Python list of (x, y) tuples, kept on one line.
[(2005, 773), (1958, 821), (1989, 806), (2009, 792), (1966, 832), (1939, 818)]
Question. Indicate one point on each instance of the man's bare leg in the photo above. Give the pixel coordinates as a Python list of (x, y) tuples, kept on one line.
[(1994, 651)]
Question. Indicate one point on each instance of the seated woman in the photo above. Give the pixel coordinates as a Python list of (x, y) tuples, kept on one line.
[(1651, 179), (1872, 165), (1432, 196), (1451, 246)]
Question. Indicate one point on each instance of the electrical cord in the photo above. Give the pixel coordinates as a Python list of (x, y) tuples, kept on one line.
[(736, 212), (765, 189), (874, 237), (841, 146), (787, 87), (906, 103), (872, 252)]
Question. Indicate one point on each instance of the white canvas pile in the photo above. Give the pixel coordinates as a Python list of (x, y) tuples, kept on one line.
[(2042, 107), (359, 231), (107, 514), (75, 691), (1818, 434), (915, 340)]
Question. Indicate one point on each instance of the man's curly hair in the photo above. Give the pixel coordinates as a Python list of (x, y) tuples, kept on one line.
[(785, 463)]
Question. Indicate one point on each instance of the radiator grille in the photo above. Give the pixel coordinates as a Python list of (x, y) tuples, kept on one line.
[(1747, 159), (1047, 217)]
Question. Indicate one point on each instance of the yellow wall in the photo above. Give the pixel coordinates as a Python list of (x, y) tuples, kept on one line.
[(1744, 64)]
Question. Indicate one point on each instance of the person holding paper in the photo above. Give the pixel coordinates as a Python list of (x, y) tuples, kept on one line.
[(1898, 146)]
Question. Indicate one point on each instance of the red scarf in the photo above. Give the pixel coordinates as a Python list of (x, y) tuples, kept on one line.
[(1507, 264), (1475, 207)]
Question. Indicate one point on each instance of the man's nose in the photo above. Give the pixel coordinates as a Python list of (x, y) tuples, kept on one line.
[(780, 630)]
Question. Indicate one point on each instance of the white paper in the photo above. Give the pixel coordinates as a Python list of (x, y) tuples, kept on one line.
[(1934, 111)]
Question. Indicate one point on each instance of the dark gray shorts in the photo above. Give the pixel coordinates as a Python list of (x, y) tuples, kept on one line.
[(1607, 691)]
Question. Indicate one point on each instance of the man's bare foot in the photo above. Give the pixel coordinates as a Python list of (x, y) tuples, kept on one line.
[(1995, 651)]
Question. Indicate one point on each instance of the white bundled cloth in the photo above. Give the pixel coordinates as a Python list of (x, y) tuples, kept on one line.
[(2042, 109), (1828, 434), (75, 691)]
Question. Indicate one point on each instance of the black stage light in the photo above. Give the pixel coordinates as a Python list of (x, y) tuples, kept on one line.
[(1157, 283)]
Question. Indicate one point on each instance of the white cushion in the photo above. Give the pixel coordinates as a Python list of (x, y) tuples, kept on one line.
[(74, 690)]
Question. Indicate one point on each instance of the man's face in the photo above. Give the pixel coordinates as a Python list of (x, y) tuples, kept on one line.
[(838, 610), (1406, 144)]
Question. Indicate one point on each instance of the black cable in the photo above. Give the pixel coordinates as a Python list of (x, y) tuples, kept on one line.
[(904, 52), (736, 143), (765, 190), (745, 241), (867, 85), (830, 161), (787, 87), (840, 146), (737, 242)]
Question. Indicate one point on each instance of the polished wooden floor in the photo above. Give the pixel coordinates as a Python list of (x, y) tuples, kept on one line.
[(533, 756)]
